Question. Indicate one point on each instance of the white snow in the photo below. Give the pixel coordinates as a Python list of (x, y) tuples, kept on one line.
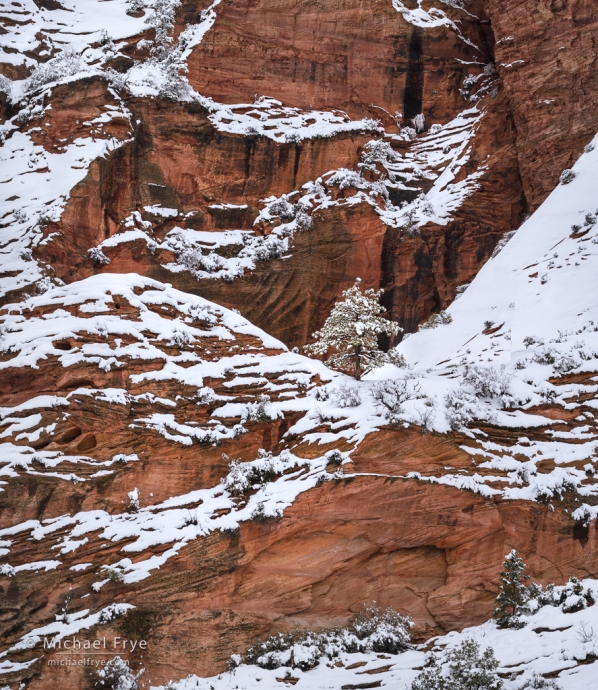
[(532, 314), (529, 319)]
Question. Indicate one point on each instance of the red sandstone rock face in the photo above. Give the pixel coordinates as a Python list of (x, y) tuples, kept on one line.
[(366, 56), (430, 551), (361, 57), (546, 57), (188, 166)]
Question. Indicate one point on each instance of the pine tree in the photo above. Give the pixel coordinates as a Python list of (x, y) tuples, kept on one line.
[(352, 329), (462, 668), (162, 19), (470, 670), (513, 597)]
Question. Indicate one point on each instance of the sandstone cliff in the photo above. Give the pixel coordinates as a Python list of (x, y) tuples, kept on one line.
[(174, 224)]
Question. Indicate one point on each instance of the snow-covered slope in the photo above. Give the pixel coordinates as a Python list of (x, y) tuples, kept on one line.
[(519, 350), (540, 285), (108, 376)]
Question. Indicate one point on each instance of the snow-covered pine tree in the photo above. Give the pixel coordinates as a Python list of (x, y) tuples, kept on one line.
[(462, 668), (352, 329), (116, 675), (162, 19), (512, 600), (470, 670)]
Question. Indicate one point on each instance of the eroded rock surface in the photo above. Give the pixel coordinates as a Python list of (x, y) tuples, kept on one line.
[(163, 452)]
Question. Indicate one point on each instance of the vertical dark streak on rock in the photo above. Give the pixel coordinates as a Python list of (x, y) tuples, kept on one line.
[(414, 85)]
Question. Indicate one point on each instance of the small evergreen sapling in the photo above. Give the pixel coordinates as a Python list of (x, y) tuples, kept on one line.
[(512, 600), (352, 329)]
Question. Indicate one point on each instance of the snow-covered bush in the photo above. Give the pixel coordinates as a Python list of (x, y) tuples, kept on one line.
[(574, 598), (570, 597), (322, 394), (426, 413), (537, 682), (194, 260), (44, 284), (470, 81), (7, 570), (553, 487), (391, 395), (462, 668), (98, 257), (303, 221), (513, 598), (205, 395), (30, 112), (181, 337), (243, 476), (565, 362), (113, 612), (460, 408), (336, 457), (396, 359), (502, 243), (419, 123), (116, 675), (202, 314), (345, 179), (352, 329), (265, 513), (267, 248), (282, 208), (107, 43), (174, 86), (346, 395), (65, 64), (20, 215), (164, 70), (530, 340), (567, 176), (546, 356), (436, 320), (287, 212), (561, 362), (488, 382), (377, 151), (381, 630), (115, 575), (260, 411), (371, 630), (133, 497), (5, 85), (136, 5), (409, 222)]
